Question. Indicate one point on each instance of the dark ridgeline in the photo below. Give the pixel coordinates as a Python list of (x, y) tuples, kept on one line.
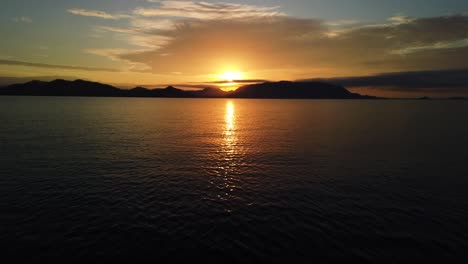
[(294, 90), (61, 88), (144, 92), (283, 89), (171, 92)]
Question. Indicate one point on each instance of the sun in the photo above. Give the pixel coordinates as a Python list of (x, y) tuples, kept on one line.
[(231, 76)]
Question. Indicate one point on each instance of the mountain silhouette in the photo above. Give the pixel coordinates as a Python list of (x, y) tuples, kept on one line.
[(283, 89), (209, 93), (61, 87), (173, 92), (294, 90)]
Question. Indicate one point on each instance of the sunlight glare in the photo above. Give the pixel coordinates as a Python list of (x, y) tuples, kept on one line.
[(230, 115), (232, 76)]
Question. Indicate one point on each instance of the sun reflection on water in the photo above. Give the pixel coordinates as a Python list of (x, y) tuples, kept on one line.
[(230, 137), (230, 120), (229, 159)]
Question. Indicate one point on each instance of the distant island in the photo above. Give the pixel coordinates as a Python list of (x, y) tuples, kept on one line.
[(272, 90)]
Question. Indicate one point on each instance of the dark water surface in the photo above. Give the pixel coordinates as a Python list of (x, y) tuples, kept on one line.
[(105, 179)]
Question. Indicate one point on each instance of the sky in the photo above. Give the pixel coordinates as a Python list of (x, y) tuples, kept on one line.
[(149, 42)]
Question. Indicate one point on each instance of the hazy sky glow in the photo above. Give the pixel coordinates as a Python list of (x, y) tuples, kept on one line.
[(156, 42)]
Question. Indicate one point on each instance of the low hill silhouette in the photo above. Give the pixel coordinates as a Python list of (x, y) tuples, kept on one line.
[(283, 89), (61, 87), (294, 90), (172, 92)]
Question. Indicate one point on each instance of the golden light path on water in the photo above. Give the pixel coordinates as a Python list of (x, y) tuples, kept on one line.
[(230, 120), (230, 137), (229, 152)]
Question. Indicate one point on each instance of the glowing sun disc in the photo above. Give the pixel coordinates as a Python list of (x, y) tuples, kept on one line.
[(231, 76)]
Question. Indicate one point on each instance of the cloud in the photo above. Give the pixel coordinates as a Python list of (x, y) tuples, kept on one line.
[(112, 54), (185, 9), (95, 13), (118, 29), (341, 23), (200, 38), (153, 24), (205, 10), (435, 46), (53, 66), (149, 33), (115, 55), (397, 20), (241, 81), (198, 46), (444, 79), (22, 19), (139, 38), (284, 43)]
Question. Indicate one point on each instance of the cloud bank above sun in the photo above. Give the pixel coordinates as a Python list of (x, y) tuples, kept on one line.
[(200, 38)]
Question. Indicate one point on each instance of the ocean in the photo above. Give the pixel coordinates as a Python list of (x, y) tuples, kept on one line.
[(232, 180)]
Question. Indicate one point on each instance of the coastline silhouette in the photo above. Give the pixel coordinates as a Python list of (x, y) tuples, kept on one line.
[(273, 90)]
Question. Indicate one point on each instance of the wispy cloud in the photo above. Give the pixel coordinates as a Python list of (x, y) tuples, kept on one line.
[(127, 30), (95, 13), (112, 54), (400, 19), (435, 46), (444, 79), (116, 55), (22, 19), (186, 9), (204, 10), (341, 23), (54, 66), (153, 24)]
